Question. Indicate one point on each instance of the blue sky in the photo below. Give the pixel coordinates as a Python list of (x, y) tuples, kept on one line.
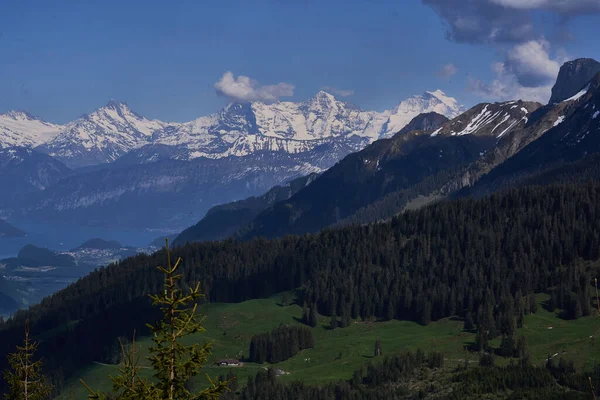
[(59, 60)]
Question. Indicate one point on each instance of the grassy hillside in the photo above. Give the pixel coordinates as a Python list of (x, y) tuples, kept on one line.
[(339, 352)]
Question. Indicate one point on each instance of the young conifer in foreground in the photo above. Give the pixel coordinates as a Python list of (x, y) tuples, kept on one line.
[(24, 378), (174, 364)]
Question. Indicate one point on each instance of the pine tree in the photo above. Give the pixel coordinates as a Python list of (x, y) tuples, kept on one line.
[(521, 350), (24, 378), (333, 322), (345, 319), (285, 299), (174, 364), (312, 319), (304, 314), (507, 346), (377, 351)]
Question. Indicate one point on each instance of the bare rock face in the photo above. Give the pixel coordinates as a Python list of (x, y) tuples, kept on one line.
[(572, 77), (424, 122)]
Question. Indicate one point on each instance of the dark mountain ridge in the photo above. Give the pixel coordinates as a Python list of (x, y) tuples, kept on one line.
[(224, 220), (393, 171), (573, 137), (573, 75)]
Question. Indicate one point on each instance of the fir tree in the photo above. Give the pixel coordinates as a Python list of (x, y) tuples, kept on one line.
[(24, 378), (285, 299), (345, 319), (174, 364), (312, 319), (333, 322), (377, 351)]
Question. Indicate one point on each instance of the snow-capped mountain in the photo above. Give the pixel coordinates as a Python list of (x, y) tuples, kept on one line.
[(404, 112), (19, 128), (102, 136), (242, 129), (237, 130)]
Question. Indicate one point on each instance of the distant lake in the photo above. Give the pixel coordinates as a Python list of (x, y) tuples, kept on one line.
[(63, 237)]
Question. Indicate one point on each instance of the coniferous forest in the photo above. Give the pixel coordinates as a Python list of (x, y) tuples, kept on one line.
[(480, 260), (280, 344)]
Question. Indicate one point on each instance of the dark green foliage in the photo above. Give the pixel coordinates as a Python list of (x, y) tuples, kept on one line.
[(507, 346), (345, 318), (313, 321), (174, 364), (377, 350), (491, 380), (286, 299), (381, 381), (469, 323), (409, 165), (486, 360), (333, 322), (449, 258), (24, 376), (280, 344)]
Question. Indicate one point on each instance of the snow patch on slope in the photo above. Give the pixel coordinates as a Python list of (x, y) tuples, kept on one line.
[(578, 95)]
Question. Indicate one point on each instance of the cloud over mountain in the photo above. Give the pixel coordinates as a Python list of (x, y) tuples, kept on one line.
[(502, 21), (338, 92), (244, 89), (530, 63)]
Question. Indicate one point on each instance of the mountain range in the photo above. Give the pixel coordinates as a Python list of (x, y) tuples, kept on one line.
[(489, 147), (113, 167), (237, 130)]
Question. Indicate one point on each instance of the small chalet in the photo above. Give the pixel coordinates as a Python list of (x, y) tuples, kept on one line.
[(228, 363)]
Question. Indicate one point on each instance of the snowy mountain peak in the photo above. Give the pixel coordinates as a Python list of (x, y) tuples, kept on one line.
[(404, 112), (238, 129), (449, 101), (321, 101), (103, 135), (19, 115), (19, 128), (116, 104), (322, 95)]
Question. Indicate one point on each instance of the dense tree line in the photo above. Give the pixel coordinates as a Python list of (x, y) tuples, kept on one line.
[(385, 380), (393, 203), (523, 381), (481, 259), (416, 375), (280, 344)]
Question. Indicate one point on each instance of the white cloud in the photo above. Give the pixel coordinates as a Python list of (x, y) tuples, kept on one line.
[(559, 6), (338, 92), (531, 64), (243, 89), (528, 73), (448, 70), (506, 86)]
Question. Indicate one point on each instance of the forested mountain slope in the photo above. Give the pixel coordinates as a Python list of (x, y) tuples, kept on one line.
[(573, 137), (403, 167), (227, 219), (463, 257), (224, 220)]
